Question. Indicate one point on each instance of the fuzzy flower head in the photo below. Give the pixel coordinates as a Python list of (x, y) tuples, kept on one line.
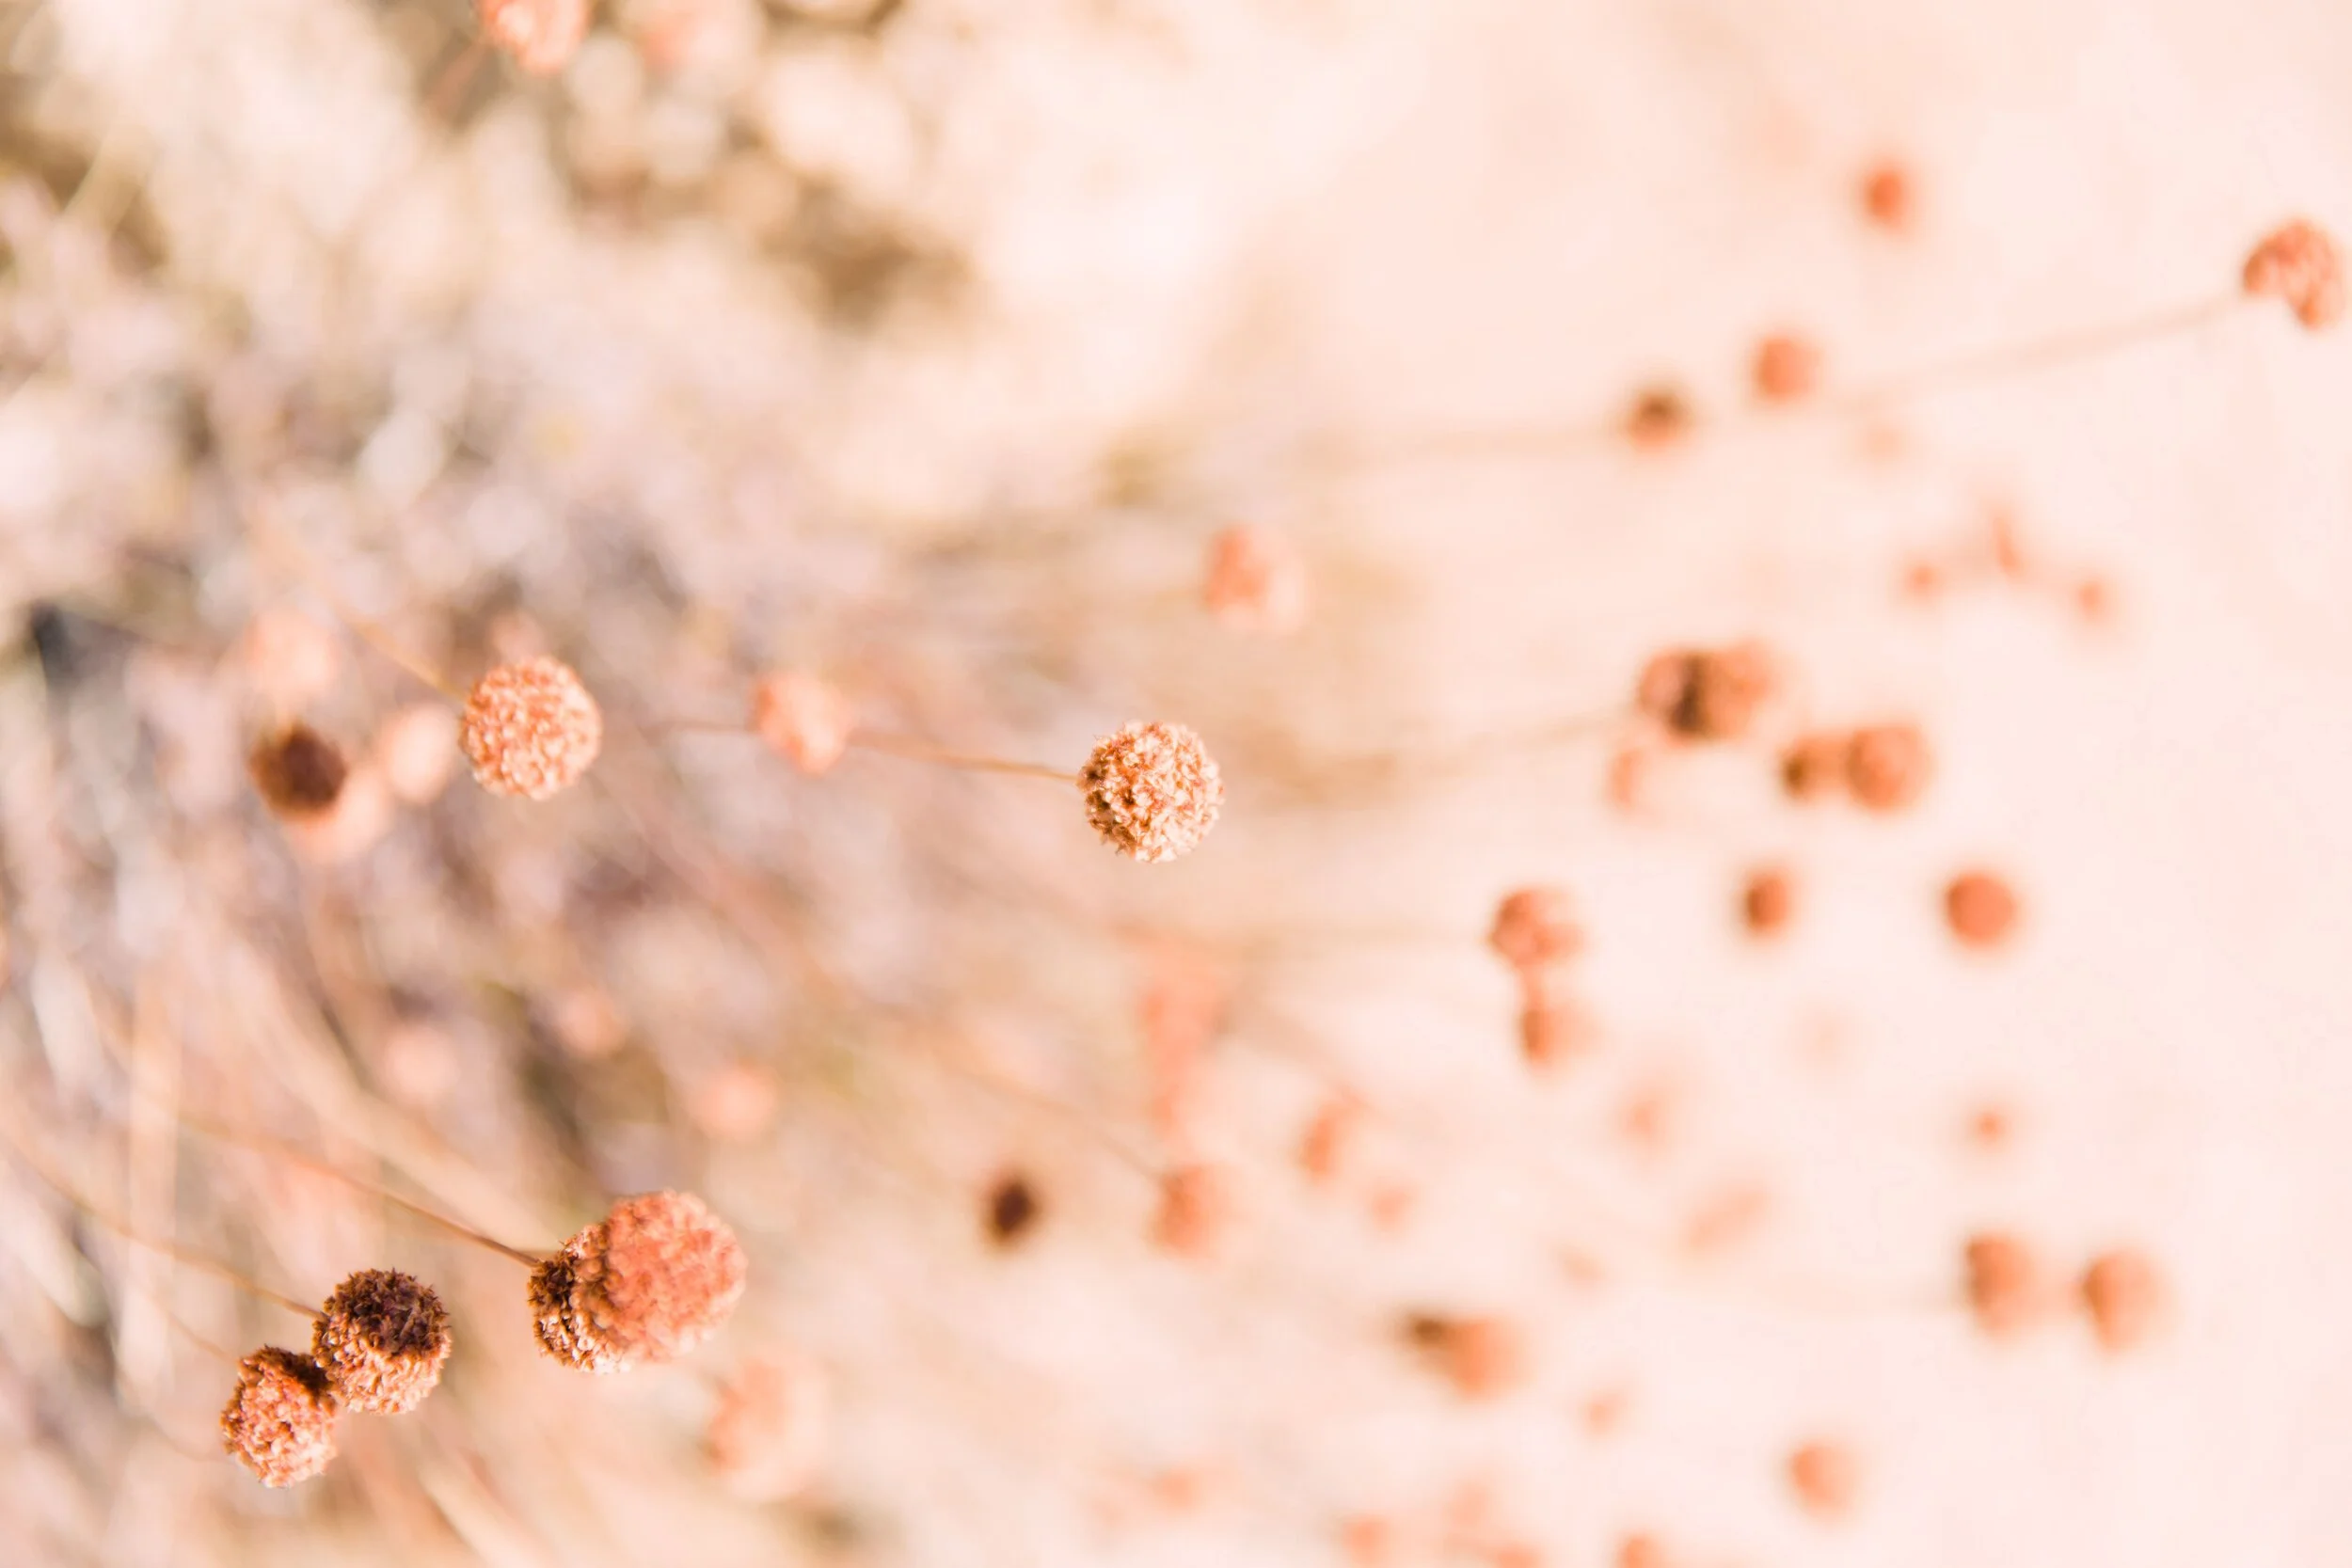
[(381, 1341), (2301, 265), (1535, 926), (542, 36), (1257, 582), (531, 729), (1707, 693), (280, 1422), (644, 1285), (804, 719), (1152, 791), (299, 773)]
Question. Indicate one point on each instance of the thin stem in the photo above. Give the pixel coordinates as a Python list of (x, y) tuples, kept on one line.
[(917, 750), (50, 1177), (1532, 441), (361, 626), (286, 1152)]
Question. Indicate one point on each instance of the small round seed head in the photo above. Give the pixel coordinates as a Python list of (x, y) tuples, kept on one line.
[(1482, 1356), (1786, 369), (1534, 928), (1887, 197), (541, 34), (1257, 582), (1768, 902), (1196, 1211), (1826, 1478), (1554, 1027), (1152, 791), (279, 1423), (1706, 695), (1012, 1210), (1887, 765), (299, 772), (531, 729), (381, 1341), (2301, 265), (2125, 1297), (1659, 418), (556, 1321), (2005, 1283), (1981, 909), (804, 719), (646, 1284), (290, 657), (1814, 766)]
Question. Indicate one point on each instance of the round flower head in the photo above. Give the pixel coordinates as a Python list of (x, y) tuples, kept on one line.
[(802, 720), (1257, 582), (1152, 791), (299, 772), (541, 34), (531, 729), (1887, 765), (2300, 264), (2125, 1297), (1786, 370), (381, 1341), (280, 1422), (2005, 1288), (1706, 695), (646, 1284), (1533, 927), (1981, 909), (1825, 1477)]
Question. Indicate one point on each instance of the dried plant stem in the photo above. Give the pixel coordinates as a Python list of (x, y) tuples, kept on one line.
[(56, 1180), (1504, 443), (276, 535), (274, 1149), (917, 750)]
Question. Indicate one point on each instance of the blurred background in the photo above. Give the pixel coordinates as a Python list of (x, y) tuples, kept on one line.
[(932, 346)]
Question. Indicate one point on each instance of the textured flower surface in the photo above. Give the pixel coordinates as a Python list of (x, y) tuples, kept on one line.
[(2302, 265), (1152, 791), (531, 729), (279, 1423), (382, 1339), (646, 1284)]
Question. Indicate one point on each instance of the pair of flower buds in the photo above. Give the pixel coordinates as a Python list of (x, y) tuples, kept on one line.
[(641, 1286)]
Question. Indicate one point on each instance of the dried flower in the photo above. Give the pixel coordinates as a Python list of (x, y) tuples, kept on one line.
[(1704, 694), (1814, 766), (646, 1284), (804, 719), (1658, 419), (1980, 908), (2005, 1284), (381, 1341), (280, 1422), (1826, 1478), (1196, 1211), (1768, 902), (1887, 765), (2125, 1297), (1012, 1211), (1887, 198), (531, 729), (1482, 1356), (767, 1436), (2300, 264), (1257, 582), (299, 772), (1553, 1025), (1324, 1146), (1533, 927), (1152, 791), (541, 34), (1786, 369)]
